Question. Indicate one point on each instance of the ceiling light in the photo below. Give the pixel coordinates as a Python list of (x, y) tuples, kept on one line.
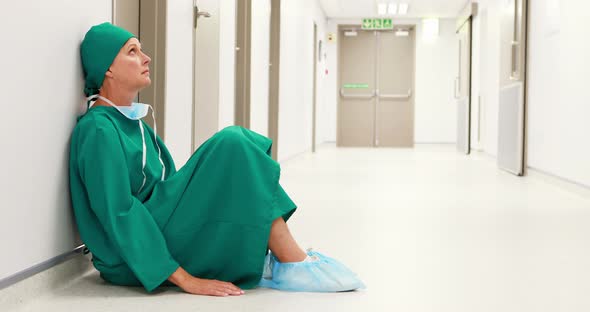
[(403, 9), (382, 8), (392, 9)]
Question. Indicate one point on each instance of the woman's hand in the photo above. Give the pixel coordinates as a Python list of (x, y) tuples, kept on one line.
[(199, 286)]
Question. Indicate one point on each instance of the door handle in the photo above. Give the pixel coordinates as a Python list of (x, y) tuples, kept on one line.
[(356, 96), (198, 14), (396, 96), (514, 70)]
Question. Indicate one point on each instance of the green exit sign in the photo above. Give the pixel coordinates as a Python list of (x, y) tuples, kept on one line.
[(377, 23)]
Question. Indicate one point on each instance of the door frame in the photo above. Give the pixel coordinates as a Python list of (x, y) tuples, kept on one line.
[(525, 56), (469, 21), (274, 75), (466, 16), (243, 62)]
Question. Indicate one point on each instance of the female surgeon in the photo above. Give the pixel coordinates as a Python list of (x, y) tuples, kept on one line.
[(206, 228)]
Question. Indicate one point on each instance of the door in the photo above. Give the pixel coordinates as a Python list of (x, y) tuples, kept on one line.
[(394, 96), (126, 15), (205, 70), (511, 115), (463, 88), (356, 105), (147, 21), (376, 102)]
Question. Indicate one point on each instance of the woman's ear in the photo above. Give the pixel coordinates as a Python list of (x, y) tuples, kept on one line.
[(109, 73)]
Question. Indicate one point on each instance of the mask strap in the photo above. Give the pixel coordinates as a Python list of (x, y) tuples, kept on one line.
[(143, 157), (91, 100), (96, 97), (157, 145), (106, 100)]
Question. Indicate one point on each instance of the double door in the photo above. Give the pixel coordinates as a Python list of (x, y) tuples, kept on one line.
[(376, 83)]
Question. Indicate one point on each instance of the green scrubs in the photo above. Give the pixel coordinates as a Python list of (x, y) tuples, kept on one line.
[(212, 217)]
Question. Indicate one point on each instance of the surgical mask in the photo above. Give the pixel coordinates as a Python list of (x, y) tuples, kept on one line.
[(136, 111)]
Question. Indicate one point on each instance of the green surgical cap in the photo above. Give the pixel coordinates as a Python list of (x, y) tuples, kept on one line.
[(99, 48)]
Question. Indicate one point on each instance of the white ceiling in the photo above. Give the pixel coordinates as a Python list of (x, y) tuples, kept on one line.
[(368, 8)]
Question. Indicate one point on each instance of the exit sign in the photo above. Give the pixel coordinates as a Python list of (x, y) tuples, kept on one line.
[(377, 23)]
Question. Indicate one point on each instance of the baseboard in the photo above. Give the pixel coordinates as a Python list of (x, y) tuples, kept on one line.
[(293, 156), (41, 279), (486, 155), (432, 143), (563, 183)]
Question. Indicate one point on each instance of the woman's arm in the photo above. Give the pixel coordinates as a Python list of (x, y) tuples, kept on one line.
[(126, 222)]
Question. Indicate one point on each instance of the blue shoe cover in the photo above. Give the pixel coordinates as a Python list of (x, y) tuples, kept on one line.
[(321, 275)]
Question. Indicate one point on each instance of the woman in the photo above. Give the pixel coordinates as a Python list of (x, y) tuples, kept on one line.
[(207, 227)]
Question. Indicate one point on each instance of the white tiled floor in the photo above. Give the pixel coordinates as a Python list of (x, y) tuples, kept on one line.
[(427, 229)]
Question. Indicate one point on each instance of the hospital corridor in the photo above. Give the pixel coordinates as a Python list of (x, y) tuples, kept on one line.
[(295, 155)]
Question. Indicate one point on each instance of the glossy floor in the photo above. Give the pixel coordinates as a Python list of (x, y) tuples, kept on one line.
[(427, 229)]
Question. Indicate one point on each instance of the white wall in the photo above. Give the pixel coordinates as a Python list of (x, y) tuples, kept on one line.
[(179, 77), (329, 118), (39, 203), (557, 108), (37, 223), (260, 55), (558, 98), (296, 75), (436, 68), (323, 114), (42, 92), (296, 80)]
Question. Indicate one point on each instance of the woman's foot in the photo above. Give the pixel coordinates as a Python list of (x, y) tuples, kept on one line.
[(317, 273), (283, 245), (290, 268)]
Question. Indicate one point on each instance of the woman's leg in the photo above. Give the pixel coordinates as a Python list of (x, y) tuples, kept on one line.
[(282, 244)]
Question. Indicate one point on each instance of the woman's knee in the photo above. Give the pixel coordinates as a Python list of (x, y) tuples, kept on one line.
[(232, 135)]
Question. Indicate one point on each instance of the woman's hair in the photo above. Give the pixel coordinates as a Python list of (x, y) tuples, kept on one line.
[(98, 50)]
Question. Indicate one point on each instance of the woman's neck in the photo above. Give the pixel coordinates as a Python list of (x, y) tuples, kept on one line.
[(119, 99)]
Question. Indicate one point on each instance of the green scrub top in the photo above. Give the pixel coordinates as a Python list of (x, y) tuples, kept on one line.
[(212, 216)]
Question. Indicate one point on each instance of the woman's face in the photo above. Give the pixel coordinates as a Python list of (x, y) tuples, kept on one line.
[(130, 69)]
